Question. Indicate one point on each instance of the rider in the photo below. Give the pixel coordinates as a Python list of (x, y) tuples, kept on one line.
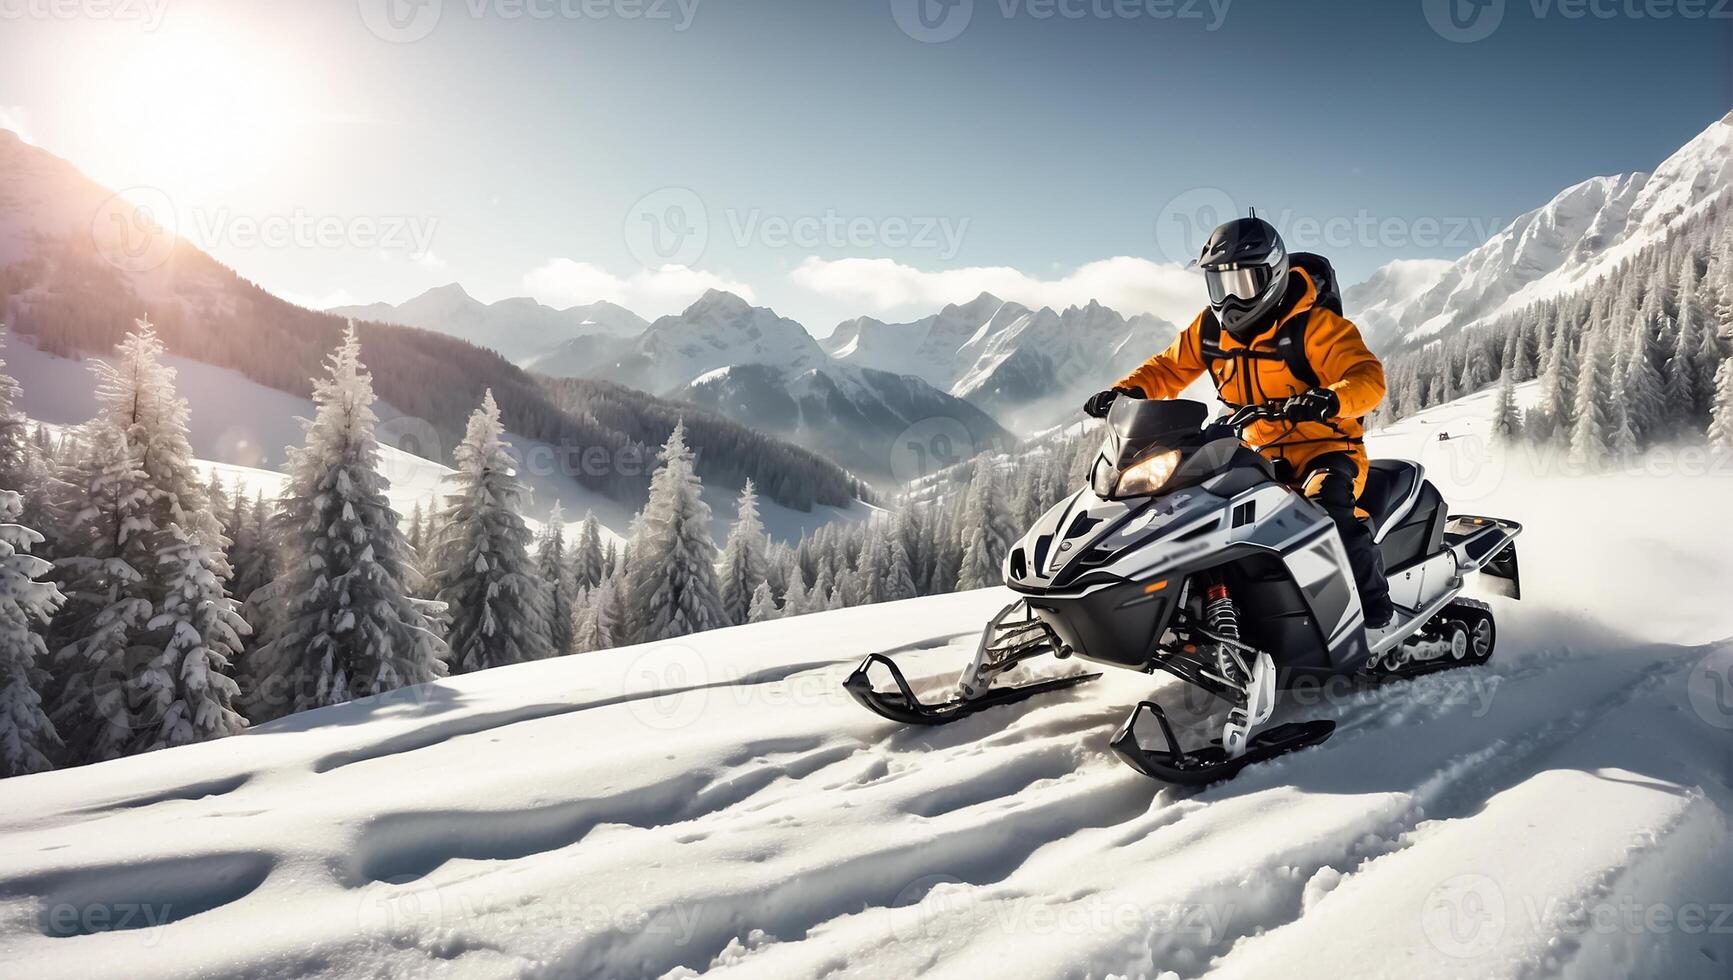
[(1267, 338)]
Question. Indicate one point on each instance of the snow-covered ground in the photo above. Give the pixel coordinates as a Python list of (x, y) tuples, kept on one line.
[(719, 806)]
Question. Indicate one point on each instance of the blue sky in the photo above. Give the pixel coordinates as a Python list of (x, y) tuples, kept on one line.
[(817, 155)]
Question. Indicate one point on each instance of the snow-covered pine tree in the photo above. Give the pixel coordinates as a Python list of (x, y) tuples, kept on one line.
[(1593, 424), (824, 595), (28, 741), (743, 564), (1558, 392), (1641, 394), (143, 537), (588, 633), (483, 570), (763, 605), (1506, 416), (985, 529), (672, 585), (554, 567), (250, 552), (1721, 418), (17, 448), (589, 564), (609, 601), (899, 577), (187, 683), (343, 624)]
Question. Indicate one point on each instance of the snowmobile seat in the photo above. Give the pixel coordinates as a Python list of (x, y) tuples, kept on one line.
[(1391, 486)]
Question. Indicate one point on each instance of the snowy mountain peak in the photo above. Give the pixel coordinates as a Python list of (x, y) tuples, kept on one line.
[(717, 304), (1578, 236)]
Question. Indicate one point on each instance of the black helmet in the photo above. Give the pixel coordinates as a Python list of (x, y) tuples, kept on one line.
[(1246, 267)]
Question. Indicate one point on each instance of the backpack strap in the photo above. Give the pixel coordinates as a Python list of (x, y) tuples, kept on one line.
[(1290, 342)]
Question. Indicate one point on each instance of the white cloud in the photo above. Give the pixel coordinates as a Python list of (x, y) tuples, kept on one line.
[(429, 260), (1129, 285), (648, 292)]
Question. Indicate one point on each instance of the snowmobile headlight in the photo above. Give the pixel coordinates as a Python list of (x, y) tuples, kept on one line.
[(1149, 474)]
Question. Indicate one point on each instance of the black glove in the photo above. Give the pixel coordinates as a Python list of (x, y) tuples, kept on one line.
[(1315, 405), (1099, 403)]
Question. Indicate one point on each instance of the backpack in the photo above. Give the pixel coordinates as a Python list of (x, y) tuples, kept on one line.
[(1291, 337)]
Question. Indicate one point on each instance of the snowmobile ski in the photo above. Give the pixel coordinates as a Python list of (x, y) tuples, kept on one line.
[(902, 705), (1211, 763)]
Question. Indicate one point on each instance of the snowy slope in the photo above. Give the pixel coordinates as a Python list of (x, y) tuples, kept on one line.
[(1578, 236), (719, 806), (518, 328)]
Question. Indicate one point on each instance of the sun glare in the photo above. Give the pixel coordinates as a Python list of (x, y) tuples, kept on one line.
[(196, 108)]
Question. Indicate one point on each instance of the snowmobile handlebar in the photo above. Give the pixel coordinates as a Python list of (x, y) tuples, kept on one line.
[(1247, 414)]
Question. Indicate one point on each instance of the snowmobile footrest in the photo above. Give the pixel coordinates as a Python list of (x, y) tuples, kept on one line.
[(902, 705), (1211, 763)]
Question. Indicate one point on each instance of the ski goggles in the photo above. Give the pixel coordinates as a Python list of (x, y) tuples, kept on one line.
[(1247, 282)]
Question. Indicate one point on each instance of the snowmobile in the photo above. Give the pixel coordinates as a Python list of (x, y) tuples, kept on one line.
[(1186, 554)]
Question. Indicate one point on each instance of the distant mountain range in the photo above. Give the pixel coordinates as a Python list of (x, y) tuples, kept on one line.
[(1030, 369), (78, 264), (517, 328)]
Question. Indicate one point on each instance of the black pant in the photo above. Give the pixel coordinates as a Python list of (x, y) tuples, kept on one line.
[(1329, 483)]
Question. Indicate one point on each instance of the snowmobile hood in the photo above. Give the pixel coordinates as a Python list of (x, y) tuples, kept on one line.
[(1084, 533)]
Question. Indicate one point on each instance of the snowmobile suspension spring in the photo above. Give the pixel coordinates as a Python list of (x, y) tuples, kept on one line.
[(1219, 613)]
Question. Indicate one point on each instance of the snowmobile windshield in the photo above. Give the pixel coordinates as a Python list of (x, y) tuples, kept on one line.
[(1144, 444), (1138, 425)]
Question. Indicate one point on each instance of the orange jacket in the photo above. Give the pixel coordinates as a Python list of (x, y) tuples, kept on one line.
[(1337, 355)]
